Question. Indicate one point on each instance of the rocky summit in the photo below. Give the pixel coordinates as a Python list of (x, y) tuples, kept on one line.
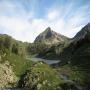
[(50, 37)]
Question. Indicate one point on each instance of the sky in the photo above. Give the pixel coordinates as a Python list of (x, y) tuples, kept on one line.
[(25, 19)]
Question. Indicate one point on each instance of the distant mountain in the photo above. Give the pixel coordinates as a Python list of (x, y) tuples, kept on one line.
[(83, 34), (50, 37)]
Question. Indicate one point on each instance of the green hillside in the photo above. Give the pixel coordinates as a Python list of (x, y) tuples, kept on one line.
[(12, 52)]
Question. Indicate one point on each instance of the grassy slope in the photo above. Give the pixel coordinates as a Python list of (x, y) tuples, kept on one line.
[(40, 77), (20, 64)]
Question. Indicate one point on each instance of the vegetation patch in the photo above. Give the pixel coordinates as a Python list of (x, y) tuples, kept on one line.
[(40, 77)]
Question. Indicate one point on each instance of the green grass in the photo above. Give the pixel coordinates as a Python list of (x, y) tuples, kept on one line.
[(43, 75), (74, 73), (50, 73), (19, 64)]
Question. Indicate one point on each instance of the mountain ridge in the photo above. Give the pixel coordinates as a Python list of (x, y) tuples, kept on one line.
[(49, 36), (83, 33)]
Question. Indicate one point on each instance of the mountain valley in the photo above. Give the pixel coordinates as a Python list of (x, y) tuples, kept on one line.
[(19, 67)]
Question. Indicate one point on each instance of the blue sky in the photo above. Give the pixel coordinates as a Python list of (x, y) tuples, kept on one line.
[(25, 19)]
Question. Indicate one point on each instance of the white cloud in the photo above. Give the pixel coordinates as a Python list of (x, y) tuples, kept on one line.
[(25, 26), (52, 15), (13, 24)]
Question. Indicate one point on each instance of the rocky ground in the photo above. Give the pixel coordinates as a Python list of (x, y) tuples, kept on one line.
[(7, 76)]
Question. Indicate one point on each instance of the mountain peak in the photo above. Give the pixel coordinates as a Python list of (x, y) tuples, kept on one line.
[(49, 36), (88, 24), (83, 33), (47, 30)]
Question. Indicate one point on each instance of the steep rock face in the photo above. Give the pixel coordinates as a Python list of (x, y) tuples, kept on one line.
[(50, 37), (83, 34), (7, 76)]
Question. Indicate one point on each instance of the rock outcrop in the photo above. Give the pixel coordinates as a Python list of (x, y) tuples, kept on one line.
[(7, 76)]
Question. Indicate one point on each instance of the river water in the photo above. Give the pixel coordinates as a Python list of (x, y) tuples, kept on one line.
[(35, 59)]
